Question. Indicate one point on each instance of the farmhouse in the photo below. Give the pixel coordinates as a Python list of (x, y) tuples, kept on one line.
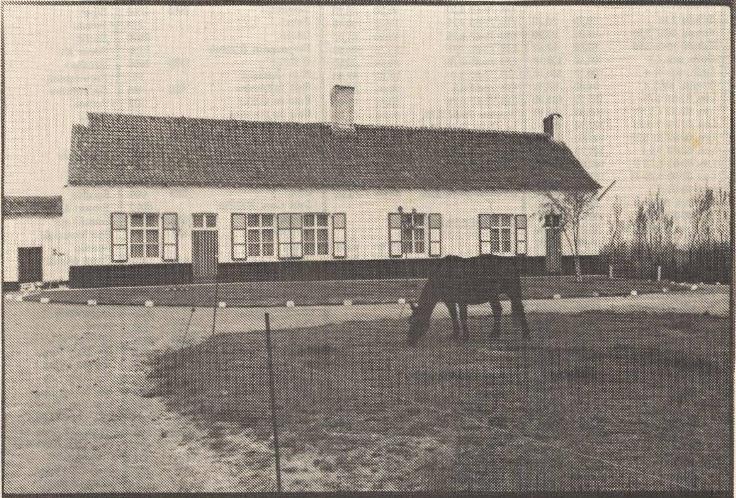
[(164, 200), (33, 247)]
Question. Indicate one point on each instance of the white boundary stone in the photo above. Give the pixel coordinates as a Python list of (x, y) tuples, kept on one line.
[(665, 289), (289, 304), (222, 304), (402, 300), (45, 300), (556, 296), (693, 287), (91, 302), (634, 293), (148, 304), (347, 302)]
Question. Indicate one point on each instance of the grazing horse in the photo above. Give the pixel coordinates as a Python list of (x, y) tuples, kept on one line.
[(459, 282)]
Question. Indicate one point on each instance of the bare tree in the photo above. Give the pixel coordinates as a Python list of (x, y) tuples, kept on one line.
[(721, 216), (615, 247), (701, 218), (709, 253), (654, 233), (573, 206)]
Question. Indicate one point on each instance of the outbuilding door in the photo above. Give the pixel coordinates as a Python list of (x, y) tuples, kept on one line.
[(204, 255), (30, 264)]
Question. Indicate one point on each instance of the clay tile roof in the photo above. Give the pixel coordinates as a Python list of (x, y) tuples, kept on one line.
[(118, 149)]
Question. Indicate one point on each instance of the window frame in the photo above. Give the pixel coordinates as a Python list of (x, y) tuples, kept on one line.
[(145, 229), (315, 228), (402, 241), (291, 230), (510, 227), (555, 218), (112, 237), (204, 221), (246, 238)]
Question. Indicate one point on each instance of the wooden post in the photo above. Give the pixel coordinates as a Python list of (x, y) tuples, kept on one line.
[(610, 271), (273, 405), (659, 273)]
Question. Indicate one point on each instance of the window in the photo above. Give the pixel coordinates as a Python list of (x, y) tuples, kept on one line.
[(315, 233), (290, 235), (406, 233), (119, 236), (552, 221), (170, 222), (520, 234), (252, 235), (435, 234), (144, 235), (495, 233), (338, 235), (204, 220)]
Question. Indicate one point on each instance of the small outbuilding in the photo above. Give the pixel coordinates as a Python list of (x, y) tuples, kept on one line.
[(34, 245)]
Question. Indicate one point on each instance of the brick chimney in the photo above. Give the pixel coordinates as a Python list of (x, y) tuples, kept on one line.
[(341, 104), (553, 126)]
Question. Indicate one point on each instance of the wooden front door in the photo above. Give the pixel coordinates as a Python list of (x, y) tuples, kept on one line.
[(30, 264), (553, 259), (204, 255)]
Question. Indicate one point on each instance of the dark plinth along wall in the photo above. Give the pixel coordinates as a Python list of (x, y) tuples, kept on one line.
[(128, 275), (181, 273)]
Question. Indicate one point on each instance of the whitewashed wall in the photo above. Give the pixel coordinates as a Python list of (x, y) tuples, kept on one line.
[(45, 232), (87, 212)]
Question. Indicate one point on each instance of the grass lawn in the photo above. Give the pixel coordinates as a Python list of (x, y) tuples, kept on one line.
[(594, 400), (333, 291)]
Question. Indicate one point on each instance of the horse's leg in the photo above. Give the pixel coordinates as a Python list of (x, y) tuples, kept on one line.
[(453, 314), (464, 320), (517, 308), (496, 308)]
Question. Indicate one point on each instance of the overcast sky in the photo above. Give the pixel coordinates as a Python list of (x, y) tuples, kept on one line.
[(643, 91)]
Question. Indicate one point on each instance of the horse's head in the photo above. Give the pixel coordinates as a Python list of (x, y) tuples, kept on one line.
[(418, 324)]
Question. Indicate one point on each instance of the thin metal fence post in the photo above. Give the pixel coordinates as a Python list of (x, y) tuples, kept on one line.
[(272, 392), (215, 304)]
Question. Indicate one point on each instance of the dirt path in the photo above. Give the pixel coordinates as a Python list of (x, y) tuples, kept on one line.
[(75, 420)]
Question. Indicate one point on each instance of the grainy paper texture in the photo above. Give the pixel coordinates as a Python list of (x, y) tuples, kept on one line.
[(447, 248)]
